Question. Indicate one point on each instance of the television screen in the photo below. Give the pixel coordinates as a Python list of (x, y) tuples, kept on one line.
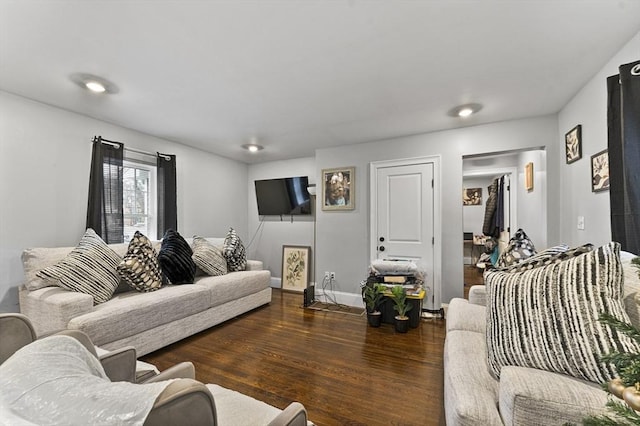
[(283, 196)]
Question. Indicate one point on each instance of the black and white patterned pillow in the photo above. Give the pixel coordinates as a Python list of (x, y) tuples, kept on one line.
[(140, 268), (233, 251), (175, 259), (208, 257), (548, 256), (90, 268), (520, 248), (547, 318)]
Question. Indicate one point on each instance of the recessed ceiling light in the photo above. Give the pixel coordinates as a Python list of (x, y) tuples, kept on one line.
[(95, 86), (252, 147), (94, 83), (464, 110)]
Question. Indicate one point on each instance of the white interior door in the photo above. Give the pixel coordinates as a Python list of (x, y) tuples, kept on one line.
[(404, 216)]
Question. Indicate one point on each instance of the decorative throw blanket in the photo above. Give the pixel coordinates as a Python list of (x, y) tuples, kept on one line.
[(56, 380)]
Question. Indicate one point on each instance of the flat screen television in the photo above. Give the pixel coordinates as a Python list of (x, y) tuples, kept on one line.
[(284, 196)]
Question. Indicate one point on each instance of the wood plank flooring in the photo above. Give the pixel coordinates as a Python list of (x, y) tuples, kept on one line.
[(342, 370)]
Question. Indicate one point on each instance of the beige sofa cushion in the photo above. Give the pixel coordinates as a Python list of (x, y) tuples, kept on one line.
[(234, 285), (131, 313), (470, 393)]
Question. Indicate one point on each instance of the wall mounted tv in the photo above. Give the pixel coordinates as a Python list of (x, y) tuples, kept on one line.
[(284, 196)]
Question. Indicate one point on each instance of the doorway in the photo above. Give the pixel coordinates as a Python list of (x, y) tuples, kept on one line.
[(523, 207), (405, 217)]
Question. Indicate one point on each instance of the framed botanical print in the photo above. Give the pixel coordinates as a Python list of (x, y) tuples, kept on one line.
[(573, 144), (339, 188), (600, 171), (295, 268)]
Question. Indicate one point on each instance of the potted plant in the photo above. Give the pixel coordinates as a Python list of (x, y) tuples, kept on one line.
[(372, 294), (400, 305)]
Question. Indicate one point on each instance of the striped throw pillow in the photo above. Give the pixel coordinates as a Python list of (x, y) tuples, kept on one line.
[(90, 268), (547, 317), (140, 268), (208, 257)]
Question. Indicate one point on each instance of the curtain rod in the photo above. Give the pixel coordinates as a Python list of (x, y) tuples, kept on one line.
[(115, 144)]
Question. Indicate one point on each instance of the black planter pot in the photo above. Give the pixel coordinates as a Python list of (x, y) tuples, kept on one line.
[(374, 318), (402, 325)]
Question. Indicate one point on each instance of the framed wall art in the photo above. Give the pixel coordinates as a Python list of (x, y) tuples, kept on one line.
[(295, 268), (472, 197), (528, 176), (339, 188), (573, 144), (600, 171)]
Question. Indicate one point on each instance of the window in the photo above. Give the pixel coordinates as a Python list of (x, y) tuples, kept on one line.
[(139, 199)]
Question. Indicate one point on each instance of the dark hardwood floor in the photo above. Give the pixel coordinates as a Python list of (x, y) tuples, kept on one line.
[(472, 276), (342, 370)]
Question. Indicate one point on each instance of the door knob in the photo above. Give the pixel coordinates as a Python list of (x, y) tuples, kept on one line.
[(381, 239), (381, 248)]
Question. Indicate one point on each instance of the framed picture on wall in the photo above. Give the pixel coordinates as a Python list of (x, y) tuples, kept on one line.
[(472, 197), (339, 188), (295, 268), (528, 177), (573, 144), (600, 171)]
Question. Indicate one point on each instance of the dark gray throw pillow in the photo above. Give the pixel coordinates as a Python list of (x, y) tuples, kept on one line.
[(175, 259)]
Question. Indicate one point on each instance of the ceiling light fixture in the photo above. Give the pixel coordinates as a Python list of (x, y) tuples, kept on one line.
[(253, 146), (464, 111), (94, 83)]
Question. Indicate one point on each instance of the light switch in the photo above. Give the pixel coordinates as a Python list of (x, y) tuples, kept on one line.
[(581, 223)]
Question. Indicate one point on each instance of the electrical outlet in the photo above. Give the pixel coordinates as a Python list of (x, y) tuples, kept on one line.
[(327, 275), (332, 276), (581, 223)]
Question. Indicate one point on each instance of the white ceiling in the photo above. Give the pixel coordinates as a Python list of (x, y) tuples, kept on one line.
[(302, 75)]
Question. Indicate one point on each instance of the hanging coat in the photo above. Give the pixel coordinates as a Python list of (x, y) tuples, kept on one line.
[(488, 227)]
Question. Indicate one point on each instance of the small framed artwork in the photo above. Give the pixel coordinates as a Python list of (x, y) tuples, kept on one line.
[(295, 268), (600, 171), (339, 188), (528, 176), (573, 144), (472, 197)]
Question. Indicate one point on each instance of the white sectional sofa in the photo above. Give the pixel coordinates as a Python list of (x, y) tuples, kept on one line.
[(147, 321), (522, 396)]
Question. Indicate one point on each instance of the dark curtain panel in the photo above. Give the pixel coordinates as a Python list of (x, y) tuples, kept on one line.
[(104, 209), (623, 115), (167, 198)]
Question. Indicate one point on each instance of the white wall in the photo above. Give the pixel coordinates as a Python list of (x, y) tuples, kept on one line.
[(44, 173), (532, 205), (274, 233), (343, 237), (588, 108)]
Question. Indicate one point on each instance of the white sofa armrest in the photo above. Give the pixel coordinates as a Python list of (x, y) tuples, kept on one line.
[(293, 415), (51, 308), (254, 265), (478, 295)]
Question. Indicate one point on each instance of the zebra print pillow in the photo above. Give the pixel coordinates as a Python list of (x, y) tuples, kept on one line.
[(208, 257), (140, 268), (547, 318), (551, 255), (90, 268), (233, 251)]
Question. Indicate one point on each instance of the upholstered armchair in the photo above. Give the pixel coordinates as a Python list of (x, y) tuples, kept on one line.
[(182, 401)]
